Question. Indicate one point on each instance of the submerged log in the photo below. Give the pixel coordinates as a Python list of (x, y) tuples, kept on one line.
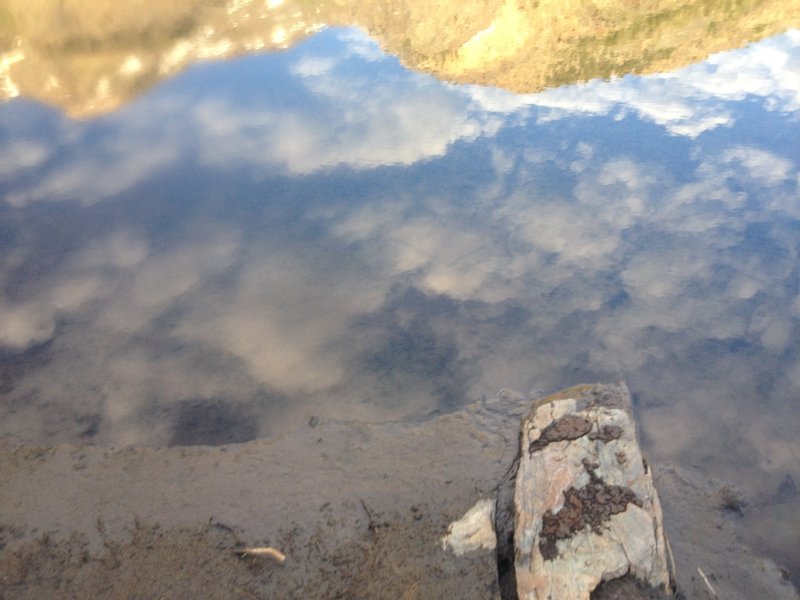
[(578, 507)]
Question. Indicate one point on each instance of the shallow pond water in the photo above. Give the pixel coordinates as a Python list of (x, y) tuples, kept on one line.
[(322, 233)]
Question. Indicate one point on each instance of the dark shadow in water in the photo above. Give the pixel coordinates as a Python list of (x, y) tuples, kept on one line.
[(14, 366), (213, 422), (405, 350)]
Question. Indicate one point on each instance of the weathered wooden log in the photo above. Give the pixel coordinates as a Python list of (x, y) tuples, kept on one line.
[(578, 507)]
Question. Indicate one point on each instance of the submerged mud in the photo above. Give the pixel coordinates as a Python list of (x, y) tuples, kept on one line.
[(357, 509)]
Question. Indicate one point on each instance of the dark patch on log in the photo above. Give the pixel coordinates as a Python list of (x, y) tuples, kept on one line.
[(606, 433), (591, 505), (568, 427)]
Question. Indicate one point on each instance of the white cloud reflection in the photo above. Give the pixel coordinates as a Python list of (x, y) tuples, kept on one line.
[(393, 125), (761, 165), (91, 180), (20, 155), (25, 324)]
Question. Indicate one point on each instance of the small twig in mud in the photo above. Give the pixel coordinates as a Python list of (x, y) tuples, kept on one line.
[(731, 499), (244, 592), (267, 551), (223, 527), (708, 583), (101, 529), (372, 524)]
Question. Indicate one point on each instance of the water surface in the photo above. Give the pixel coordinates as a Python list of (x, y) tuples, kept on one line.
[(321, 233)]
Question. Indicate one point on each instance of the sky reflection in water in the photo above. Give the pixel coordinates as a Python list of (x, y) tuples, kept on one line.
[(321, 232)]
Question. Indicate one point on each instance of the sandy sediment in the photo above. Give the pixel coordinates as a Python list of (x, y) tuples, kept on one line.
[(357, 509)]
